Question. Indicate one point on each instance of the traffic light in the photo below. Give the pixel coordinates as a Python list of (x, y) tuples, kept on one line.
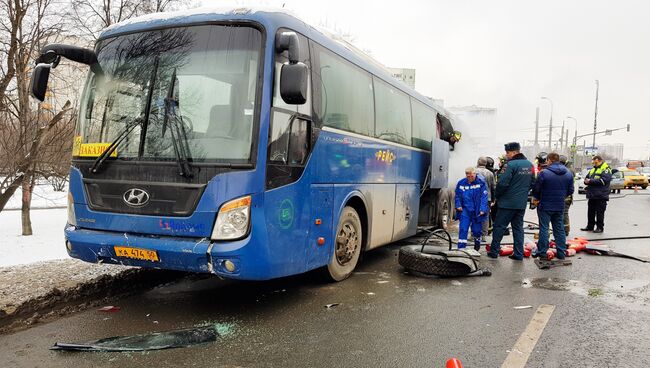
[(628, 127)]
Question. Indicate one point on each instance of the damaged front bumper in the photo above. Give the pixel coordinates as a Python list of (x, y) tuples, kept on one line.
[(238, 259), (172, 253)]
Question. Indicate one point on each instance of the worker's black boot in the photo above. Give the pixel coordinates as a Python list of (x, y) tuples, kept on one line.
[(586, 229), (598, 230)]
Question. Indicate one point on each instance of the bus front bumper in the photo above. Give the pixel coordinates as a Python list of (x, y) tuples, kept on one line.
[(182, 254), (199, 255)]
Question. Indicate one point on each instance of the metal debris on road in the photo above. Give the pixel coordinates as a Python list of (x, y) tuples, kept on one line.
[(524, 307), (109, 308), (330, 306), (598, 249), (544, 264)]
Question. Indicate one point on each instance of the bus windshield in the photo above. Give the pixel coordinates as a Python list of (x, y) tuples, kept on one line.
[(215, 72)]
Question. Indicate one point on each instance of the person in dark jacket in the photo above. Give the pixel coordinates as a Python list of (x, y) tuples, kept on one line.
[(472, 207), (487, 176), (568, 201), (597, 182), (512, 197), (553, 185)]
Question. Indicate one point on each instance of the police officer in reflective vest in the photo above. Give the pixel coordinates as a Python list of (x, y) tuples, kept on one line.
[(472, 207), (597, 182)]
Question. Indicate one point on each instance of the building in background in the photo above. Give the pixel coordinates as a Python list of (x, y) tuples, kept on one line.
[(614, 150), (405, 75)]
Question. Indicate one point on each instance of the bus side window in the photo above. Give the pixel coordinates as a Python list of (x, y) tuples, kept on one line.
[(289, 140), (298, 142)]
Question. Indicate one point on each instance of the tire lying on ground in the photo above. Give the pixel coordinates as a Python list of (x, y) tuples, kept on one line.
[(429, 263)]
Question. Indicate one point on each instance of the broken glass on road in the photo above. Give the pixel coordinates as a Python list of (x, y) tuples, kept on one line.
[(153, 341)]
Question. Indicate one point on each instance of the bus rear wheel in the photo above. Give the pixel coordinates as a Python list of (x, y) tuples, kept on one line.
[(347, 245), (445, 216)]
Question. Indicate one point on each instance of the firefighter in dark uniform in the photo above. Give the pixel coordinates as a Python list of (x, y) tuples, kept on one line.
[(597, 182), (511, 194)]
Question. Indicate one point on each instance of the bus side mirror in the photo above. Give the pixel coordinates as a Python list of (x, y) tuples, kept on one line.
[(293, 75), (293, 83), (40, 76)]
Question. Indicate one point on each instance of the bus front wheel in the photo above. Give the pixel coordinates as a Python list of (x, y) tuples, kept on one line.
[(347, 245)]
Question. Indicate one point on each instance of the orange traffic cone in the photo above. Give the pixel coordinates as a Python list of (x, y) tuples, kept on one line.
[(453, 363)]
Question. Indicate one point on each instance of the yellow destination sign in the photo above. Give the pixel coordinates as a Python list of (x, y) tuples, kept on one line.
[(94, 149)]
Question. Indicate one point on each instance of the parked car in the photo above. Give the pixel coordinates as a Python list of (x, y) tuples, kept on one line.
[(618, 181), (645, 171), (634, 179), (581, 182)]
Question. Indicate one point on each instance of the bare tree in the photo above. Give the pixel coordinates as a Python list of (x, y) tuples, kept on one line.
[(24, 125), (91, 16)]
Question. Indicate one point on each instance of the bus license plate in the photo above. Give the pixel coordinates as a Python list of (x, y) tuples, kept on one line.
[(137, 253)]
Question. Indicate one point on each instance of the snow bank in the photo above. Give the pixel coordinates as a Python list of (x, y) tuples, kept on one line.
[(46, 244)]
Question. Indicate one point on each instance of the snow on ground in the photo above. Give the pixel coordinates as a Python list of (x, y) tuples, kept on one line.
[(46, 244)]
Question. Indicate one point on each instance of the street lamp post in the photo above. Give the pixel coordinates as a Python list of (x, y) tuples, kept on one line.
[(593, 142), (550, 125)]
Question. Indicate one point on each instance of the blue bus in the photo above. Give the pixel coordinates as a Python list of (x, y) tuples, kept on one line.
[(246, 144)]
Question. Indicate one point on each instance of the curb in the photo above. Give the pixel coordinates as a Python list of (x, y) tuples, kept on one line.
[(63, 296)]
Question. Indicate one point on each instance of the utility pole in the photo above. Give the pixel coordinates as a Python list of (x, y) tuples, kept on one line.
[(550, 131), (593, 142), (566, 139), (550, 125), (562, 136), (536, 129)]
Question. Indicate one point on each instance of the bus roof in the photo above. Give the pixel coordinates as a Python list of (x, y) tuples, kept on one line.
[(272, 19)]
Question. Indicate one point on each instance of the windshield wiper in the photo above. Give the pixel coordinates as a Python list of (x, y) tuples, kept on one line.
[(177, 130), (111, 148)]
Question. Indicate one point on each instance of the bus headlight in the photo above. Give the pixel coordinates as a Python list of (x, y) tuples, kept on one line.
[(72, 219), (233, 220)]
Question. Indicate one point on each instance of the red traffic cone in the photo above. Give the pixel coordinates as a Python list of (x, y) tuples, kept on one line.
[(453, 363)]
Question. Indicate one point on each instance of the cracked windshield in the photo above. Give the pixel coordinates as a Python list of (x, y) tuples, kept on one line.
[(208, 106)]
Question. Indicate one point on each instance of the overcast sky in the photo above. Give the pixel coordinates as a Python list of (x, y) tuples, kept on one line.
[(508, 53)]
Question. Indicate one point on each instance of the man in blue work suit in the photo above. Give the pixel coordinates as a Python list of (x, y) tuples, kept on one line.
[(472, 207), (512, 197)]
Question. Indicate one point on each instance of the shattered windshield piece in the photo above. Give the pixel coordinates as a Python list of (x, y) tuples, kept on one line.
[(153, 341)]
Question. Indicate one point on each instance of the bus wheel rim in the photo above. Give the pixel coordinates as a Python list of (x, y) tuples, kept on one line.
[(347, 242)]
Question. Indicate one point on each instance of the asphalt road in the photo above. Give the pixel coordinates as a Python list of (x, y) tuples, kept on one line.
[(385, 318)]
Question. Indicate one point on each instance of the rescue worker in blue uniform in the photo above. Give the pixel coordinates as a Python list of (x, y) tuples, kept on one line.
[(472, 207), (512, 197)]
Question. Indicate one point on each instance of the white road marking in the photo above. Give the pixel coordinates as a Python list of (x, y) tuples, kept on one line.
[(519, 354)]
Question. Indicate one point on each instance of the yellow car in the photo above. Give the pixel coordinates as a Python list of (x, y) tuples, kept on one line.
[(634, 179)]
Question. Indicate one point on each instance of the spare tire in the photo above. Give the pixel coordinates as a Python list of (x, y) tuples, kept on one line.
[(412, 258)]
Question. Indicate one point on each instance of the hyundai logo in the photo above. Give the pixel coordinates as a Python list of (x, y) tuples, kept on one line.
[(136, 197)]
